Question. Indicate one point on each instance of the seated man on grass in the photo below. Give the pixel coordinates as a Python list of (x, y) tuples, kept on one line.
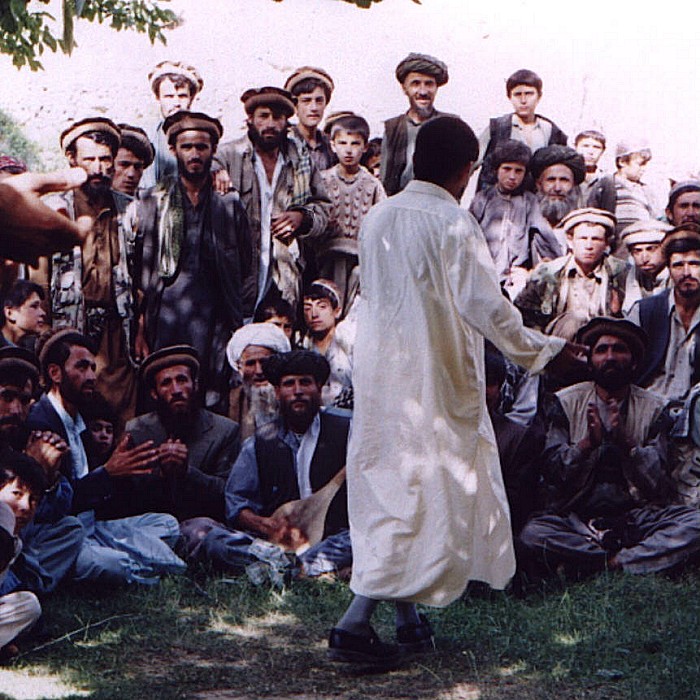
[(137, 549), (611, 502), (287, 461)]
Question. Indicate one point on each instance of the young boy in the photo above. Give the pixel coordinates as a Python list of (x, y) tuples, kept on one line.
[(623, 193), (326, 336), (352, 191), (524, 91), (22, 484), (517, 234), (591, 145)]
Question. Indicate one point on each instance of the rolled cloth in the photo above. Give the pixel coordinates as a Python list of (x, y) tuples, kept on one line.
[(545, 157), (265, 335), (422, 63)]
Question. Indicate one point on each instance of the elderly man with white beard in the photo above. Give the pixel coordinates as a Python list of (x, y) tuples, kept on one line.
[(252, 401)]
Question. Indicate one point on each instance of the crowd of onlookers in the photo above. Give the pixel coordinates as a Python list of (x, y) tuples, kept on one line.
[(178, 388)]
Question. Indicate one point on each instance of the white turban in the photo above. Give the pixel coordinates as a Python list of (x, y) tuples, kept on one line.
[(266, 335)]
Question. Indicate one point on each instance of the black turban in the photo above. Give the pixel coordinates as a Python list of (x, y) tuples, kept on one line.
[(298, 362), (555, 155)]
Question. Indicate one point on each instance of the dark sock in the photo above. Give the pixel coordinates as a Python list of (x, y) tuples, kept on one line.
[(358, 615), (406, 614)]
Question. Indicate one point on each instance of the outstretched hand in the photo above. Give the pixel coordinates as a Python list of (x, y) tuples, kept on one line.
[(28, 228)]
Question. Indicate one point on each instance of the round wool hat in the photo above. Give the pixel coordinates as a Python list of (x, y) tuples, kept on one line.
[(21, 360), (680, 188), (176, 68), (589, 215), (86, 126), (685, 232), (306, 72), (645, 231), (422, 63), (169, 357), (196, 121), (136, 137), (268, 96), (631, 333)]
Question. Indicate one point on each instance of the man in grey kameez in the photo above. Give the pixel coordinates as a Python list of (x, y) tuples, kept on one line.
[(606, 468)]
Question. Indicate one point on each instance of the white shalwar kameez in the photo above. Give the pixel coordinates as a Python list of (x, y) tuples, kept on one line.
[(428, 510)]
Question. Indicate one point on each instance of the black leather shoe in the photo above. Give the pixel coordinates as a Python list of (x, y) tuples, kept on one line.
[(360, 649), (416, 637)]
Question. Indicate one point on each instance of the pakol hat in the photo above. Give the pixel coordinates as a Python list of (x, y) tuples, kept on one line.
[(85, 126), (631, 333), (645, 231), (422, 63), (298, 362), (20, 360), (685, 232), (169, 357), (176, 68), (306, 72), (196, 121), (545, 157), (268, 96), (680, 188), (589, 215), (136, 133), (627, 148)]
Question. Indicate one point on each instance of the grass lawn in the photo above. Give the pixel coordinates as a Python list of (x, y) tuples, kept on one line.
[(215, 637)]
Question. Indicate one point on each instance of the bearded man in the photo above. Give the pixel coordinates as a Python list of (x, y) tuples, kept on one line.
[(420, 77), (252, 401), (196, 448), (282, 192), (558, 171), (605, 462), (90, 286), (194, 251)]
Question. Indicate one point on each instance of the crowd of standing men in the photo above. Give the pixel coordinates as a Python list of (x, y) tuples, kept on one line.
[(179, 386)]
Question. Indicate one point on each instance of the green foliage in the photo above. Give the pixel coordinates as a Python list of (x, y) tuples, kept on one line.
[(14, 143), (26, 33)]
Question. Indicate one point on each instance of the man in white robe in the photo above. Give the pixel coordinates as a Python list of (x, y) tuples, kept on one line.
[(428, 510)]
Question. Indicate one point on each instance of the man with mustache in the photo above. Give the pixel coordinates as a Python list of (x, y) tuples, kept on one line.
[(282, 192), (252, 401), (51, 542), (175, 85), (605, 467), (195, 447), (650, 274), (135, 549), (558, 171), (285, 460), (420, 77), (684, 203), (194, 249), (90, 286), (671, 319)]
